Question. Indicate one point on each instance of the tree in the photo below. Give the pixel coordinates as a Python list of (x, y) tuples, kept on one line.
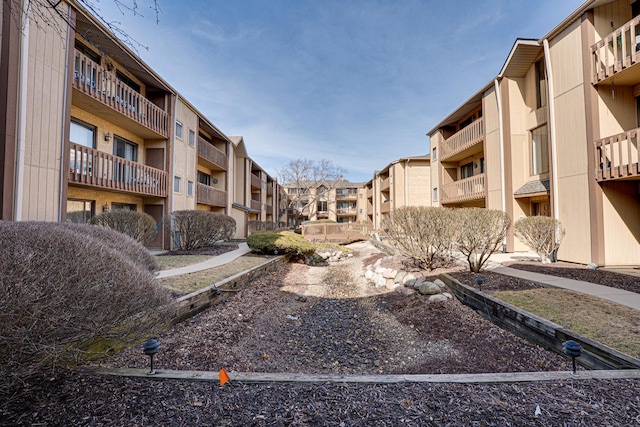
[(481, 232), (542, 234), (302, 178)]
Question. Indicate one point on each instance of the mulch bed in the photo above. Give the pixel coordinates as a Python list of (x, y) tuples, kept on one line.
[(267, 330), (209, 250)]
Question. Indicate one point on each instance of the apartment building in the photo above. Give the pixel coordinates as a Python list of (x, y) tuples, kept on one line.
[(403, 182), (555, 133), (335, 200), (87, 127)]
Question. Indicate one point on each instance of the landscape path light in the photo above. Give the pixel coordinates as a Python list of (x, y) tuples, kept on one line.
[(480, 281), (150, 348), (573, 349)]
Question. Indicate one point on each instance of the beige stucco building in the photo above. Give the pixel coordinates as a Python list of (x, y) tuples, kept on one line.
[(555, 133), (87, 127)]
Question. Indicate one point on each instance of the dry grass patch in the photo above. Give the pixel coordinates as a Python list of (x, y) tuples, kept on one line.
[(187, 283), (167, 262), (607, 322)]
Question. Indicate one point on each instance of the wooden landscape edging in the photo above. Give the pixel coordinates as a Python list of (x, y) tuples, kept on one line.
[(191, 304), (538, 330)]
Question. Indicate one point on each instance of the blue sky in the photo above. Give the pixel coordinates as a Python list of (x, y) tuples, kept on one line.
[(358, 82)]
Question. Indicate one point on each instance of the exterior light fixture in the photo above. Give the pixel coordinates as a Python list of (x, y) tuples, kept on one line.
[(480, 281), (107, 136), (150, 348), (573, 349), (105, 207)]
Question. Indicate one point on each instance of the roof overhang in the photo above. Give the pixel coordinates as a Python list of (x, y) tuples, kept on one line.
[(523, 54)]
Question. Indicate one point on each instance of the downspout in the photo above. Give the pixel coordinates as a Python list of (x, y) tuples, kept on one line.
[(552, 130), (22, 113), (173, 162), (63, 171), (406, 183), (503, 197)]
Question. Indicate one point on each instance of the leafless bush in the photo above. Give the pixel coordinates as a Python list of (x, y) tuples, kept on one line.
[(137, 225), (542, 234), (480, 233), (122, 243), (261, 226), (61, 290), (423, 233), (196, 229)]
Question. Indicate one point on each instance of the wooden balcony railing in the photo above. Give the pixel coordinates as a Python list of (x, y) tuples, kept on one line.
[(210, 153), (615, 52), (346, 196), (385, 207), (385, 184), (270, 188), (256, 205), (256, 182), (369, 193), (617, 156), (464, 190), (98, 83), (88, 166), (463, 139), (207, 195), (346, 211)]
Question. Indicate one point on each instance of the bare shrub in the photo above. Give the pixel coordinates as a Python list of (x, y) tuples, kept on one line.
[(124, 244), (196, 229), (542, 234), (423, 233), (261, 226), (137, 225), (61, 290), (480, 233)]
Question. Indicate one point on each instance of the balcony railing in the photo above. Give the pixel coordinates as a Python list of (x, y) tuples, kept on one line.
[(256, 182), (617, 156), (256, 205), (385, 207), (88, 166), (385, 184), (346, 211), (210, 153), (463, 139), (207, 195), (464, 190), (369, 193), (98, 83), (346, 196), (615, 52), (270, 188)]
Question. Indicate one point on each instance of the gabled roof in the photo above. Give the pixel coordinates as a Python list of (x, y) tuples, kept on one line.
[(522, 55)]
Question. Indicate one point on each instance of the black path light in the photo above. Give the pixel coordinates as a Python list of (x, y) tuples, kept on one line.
[(480, 281), (573, 349), (150, 348)]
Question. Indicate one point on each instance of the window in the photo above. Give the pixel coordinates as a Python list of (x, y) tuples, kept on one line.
[(435, 194), (80, 211), (322, 206), (541, 85), (126, 80), (466, 170), (123, 207), (189, 188), (176, 184), (434, 153), (81, 134), (178, 129), (125, 149), (322, 190), (482, 165), (466, 122), (192, 138), (204, 178), (539, 151)]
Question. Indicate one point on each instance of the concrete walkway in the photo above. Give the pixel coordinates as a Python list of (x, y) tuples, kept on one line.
[(214, 261)]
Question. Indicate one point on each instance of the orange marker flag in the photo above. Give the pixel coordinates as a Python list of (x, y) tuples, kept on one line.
[(224, 377)]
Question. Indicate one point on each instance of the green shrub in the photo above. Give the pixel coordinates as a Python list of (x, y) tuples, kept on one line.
[(280, 243), (137, 225), (191, 229), (122, 243), (542, 234), (61, 289)]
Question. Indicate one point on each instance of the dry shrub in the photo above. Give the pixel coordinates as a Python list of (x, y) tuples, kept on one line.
[(542, 234), (423, 233), (122, 243), (137, 225), (61, 290), (480, 233), (261, 226), (197, 229)]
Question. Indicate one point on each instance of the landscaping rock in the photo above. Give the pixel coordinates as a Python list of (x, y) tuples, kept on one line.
[(429, 288), (399, 276), (409, 280), (438, 298), (389, 273)]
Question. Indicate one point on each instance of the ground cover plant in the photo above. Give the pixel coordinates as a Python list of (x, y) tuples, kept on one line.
[(63, 290)]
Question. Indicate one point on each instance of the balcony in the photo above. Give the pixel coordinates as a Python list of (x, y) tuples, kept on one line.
[(346, 195), (256, 205), (95, 83), (210, 196), (91, 167), (270, 188), (346, 211), (369, 193), (211, 154), (616, 54), (617, 156), (463, 143), (464, 190), (385, 207), (385, 184), (256, 182)]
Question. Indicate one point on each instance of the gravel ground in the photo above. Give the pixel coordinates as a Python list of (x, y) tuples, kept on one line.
[(345, 325)]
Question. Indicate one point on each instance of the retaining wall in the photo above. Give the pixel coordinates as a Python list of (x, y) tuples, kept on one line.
[(538, 330)]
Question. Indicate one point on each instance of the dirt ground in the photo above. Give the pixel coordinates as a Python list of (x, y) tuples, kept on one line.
[(343, 324)]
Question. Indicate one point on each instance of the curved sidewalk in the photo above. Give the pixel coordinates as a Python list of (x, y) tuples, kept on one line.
[(620, 296), (214, 261)]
